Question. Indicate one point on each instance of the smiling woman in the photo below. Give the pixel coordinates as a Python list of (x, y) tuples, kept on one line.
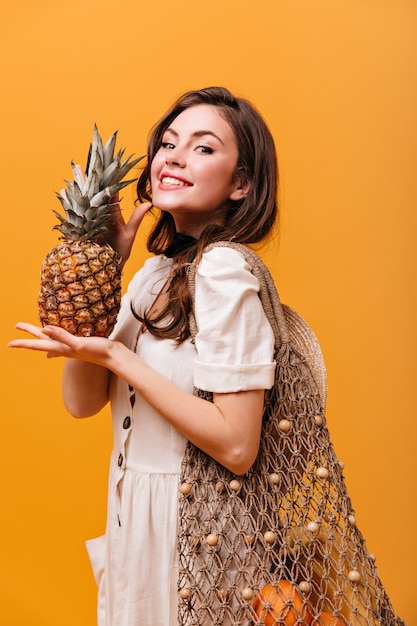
[(212, 174), (207, 525)]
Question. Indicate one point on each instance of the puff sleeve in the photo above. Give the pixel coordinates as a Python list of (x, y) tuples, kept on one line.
[(235, 342)]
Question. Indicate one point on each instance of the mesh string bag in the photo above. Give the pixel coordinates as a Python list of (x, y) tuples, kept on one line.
[(280, 544)]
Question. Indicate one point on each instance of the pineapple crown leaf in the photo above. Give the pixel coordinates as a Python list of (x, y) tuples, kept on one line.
[(116, 171), (97, 213), (77, 174), (126, 165), (79, 227), (62, 197), (108, 150), (91, 185), (120, 154), (104, 196), (96, 165), (97, 150), (65, 225), (77, 201), (111, 174), (96, 146), (87, 199)]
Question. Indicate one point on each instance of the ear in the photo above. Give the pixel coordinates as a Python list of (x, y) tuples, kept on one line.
[(241, 188)]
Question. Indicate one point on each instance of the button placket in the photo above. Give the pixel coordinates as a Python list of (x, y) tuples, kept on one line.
[(126, 427)]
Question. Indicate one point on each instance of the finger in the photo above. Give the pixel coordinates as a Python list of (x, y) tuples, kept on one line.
[(115, 201), (36, 331), (118, 218), (137, 216), (39, 345), (51, 339), (59, 334), (51, 332)]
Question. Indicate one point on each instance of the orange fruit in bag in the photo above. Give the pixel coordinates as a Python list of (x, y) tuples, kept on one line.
[(328, 619), (281, 601)]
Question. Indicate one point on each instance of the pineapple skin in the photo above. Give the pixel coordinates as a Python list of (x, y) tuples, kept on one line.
[(80, 288)]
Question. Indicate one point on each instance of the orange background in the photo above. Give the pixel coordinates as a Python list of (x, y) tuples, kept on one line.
[(336, 80)]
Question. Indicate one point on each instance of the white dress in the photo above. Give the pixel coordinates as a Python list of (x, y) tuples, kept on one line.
[(135, 562)]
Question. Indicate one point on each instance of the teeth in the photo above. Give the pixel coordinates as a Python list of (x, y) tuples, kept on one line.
[(169, 180)]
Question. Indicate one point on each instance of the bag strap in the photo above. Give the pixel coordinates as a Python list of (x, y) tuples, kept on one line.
[(267, 291)]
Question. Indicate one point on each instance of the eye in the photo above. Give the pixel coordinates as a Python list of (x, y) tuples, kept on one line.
[(168, 145), (205, 149)]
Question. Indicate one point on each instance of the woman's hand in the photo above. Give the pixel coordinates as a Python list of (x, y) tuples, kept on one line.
[(57, 342), (86, 375), (122, 234)]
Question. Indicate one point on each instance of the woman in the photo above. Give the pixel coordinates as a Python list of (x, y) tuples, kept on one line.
[(212, 174)]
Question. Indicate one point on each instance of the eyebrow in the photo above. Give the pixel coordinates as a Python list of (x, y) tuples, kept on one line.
[(197, 133)]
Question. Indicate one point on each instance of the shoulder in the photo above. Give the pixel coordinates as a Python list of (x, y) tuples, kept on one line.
[(224, 263), (146, 284), (225, 253), (154, 269), (224, 276), (155, 264)]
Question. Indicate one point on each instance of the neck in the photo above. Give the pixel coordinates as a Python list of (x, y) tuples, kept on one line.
[(180, 243)]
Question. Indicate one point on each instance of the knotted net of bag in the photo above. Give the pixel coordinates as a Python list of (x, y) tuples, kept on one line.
[(279, 545)]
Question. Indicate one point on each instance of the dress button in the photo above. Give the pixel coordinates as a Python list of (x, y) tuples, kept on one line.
[(127, 422), (120, 460)]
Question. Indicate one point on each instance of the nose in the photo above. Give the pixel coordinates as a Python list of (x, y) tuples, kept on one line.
[(175, 157)]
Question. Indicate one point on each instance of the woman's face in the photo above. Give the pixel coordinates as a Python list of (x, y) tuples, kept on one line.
[(193, 174)]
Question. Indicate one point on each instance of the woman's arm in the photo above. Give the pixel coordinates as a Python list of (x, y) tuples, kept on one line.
[(85, 381), (228, 429), (85, 387)]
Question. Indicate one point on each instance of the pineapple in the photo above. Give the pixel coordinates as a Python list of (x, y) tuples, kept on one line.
[(81, 277)]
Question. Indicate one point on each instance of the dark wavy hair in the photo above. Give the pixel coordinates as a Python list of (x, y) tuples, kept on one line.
[(247, 221)]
